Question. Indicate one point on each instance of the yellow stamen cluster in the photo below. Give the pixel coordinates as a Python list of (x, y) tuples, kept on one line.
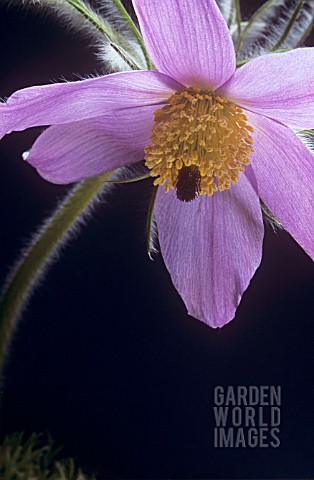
[(199, 128)]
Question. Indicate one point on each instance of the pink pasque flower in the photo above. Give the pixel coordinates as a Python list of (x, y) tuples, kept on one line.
[(199, 144)]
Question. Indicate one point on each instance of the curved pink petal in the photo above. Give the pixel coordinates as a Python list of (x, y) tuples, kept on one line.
[(73, 101), (68, 153), (284, 170), (279, 86), (212, 247), (188, 40)]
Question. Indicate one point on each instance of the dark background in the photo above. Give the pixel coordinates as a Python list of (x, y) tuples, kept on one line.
[(105, 358)]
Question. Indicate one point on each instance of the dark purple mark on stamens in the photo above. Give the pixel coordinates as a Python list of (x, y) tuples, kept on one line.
[(188, 183)]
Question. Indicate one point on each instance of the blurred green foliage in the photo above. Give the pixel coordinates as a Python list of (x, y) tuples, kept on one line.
[(31, 459)]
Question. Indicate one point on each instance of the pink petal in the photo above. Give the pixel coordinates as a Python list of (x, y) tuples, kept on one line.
[(68, 153), (69, 102), (284, 170), (279, 86), (250, 175), (188, 40), (212, 247)]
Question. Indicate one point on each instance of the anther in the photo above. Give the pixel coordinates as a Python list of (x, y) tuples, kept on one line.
[(188, 183)]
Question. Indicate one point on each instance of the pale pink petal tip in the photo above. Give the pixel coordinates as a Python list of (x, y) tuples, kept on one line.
[(187, 40), (68, 153), (279, 86), (284, 171), (212, 247), (69, 102)]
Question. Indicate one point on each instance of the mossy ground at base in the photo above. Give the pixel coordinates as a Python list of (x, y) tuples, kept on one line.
[(32, 459)]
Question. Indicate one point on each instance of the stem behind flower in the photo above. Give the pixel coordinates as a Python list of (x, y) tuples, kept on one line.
[(43, 250), (135, 31)]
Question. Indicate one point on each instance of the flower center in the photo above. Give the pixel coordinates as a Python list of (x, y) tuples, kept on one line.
[(200, 144)]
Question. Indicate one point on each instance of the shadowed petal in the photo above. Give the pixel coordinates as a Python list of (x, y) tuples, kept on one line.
[(212, 247), (279, 86), (69, 102), (68, 153), (284, 170), (250, 175), (188, 40)]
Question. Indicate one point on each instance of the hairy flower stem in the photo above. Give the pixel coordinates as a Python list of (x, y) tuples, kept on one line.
[(238, 16), (150, 225), (43, 250), (96, 20), (89, 14), (134, 29), (288, 27)]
